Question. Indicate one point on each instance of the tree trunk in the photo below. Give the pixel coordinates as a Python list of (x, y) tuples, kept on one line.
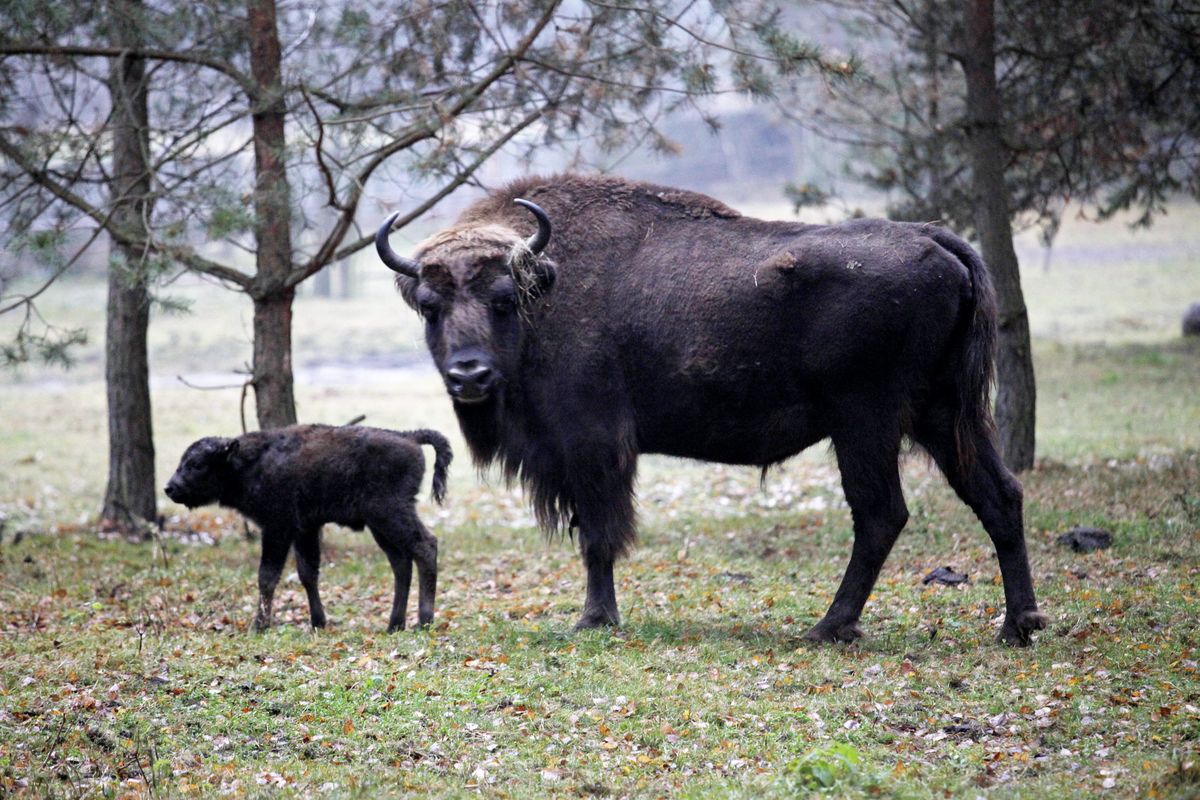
[(1016, 391), (936, 155), (272, 297), (273, 398), (129, 498)]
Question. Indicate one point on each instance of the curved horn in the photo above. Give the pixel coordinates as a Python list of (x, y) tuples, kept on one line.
[(537, 243), (398, 263)]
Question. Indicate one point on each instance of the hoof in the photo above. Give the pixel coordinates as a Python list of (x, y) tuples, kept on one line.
[(833, 633), (1018, 631), (396, 626), (424, 621), (261, 624), (319, 623), (598, 619)]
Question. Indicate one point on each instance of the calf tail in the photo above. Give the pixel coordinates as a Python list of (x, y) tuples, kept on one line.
[(975, 369), (443, 455)]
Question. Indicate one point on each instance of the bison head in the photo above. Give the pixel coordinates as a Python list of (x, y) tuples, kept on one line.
[(474, 286), (203, 472)]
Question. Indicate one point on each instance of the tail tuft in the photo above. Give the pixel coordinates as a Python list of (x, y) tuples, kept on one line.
[(443, 455)]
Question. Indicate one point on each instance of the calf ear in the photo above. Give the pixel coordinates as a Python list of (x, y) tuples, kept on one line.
[(244, 451)]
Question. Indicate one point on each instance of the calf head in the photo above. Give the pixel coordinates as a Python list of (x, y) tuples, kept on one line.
[(203, 473), (474, 286)]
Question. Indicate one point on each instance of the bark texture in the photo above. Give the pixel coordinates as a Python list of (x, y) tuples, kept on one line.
[(1016, 394), (129, 498), (273, 397)]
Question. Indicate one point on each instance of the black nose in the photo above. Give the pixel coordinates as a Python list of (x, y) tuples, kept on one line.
[(470, 377), (171, 488)]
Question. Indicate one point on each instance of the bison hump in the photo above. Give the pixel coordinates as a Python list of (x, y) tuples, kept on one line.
[(694, 204)]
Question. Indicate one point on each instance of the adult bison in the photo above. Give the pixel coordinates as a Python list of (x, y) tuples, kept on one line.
[(655, 320)]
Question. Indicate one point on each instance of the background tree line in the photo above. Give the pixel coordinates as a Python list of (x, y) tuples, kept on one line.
[(171, 127), (185, 135), (993, 116)]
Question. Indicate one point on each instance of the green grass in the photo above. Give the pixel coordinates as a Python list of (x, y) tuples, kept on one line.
[(129, 669)]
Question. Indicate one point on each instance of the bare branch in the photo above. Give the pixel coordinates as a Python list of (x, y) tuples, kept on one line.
[(30, 49), (183, 255), (461, 177), (417, 133), (318, 148), (220, 387)]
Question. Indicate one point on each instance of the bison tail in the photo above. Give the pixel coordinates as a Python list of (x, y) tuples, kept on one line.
[(443, 455), (975, 369)]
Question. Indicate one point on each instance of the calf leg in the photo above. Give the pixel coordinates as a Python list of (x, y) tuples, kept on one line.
[(425, 554), (308, 567), (396, 534), (867, 458), (995, 496), (275, 546)]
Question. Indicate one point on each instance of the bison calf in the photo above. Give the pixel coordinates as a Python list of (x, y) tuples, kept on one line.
[(291, 481)]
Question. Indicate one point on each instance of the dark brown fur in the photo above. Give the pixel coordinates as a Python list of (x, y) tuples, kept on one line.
[(662, 321), (291, 481)]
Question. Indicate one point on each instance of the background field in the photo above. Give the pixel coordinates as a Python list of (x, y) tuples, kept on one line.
[(129, 670)]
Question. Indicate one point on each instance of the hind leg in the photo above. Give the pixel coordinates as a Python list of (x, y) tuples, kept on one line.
[(402, 574), (425, 555), (275, 545), (398, 532), (995, 496), (868, 460), (308, 567)]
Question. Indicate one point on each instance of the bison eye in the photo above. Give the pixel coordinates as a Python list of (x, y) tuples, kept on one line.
[(504, 301), (429, 309), (429, 305)]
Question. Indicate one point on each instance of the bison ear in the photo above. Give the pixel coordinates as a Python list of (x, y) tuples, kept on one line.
[(545, 272), (408, 290)]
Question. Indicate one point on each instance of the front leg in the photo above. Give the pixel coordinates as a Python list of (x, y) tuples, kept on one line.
[(600, 607), (275, 545), (603, 505)]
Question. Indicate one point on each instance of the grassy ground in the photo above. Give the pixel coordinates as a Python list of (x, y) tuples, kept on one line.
[(129, 671)]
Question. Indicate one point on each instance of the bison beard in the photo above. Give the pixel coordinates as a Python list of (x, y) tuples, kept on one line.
[(293, 480), (661, 321)]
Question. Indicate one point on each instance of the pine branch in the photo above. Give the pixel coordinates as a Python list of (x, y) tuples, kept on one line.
[(183, 255)]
